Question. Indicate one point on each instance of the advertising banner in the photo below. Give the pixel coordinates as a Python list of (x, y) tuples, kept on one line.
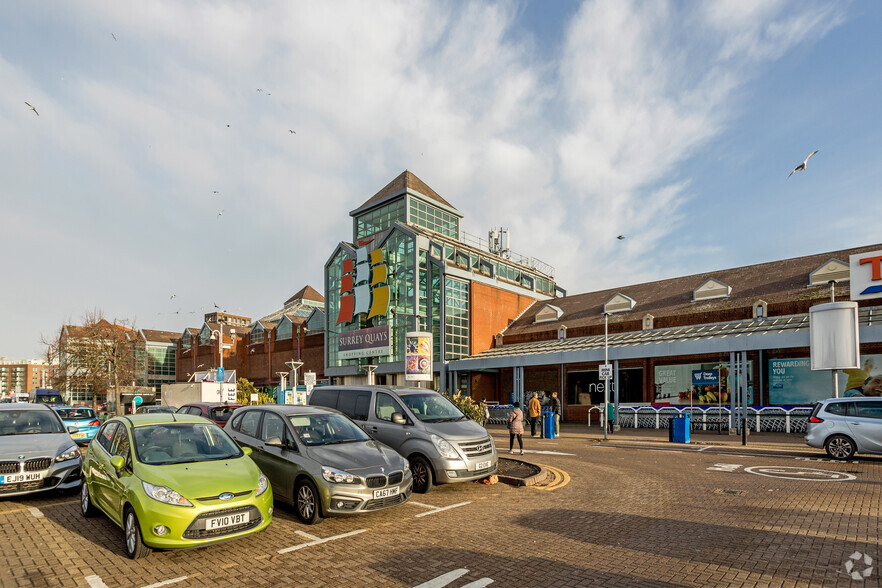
[(706, 383), (372, 342), (418, 357), (792, 381)]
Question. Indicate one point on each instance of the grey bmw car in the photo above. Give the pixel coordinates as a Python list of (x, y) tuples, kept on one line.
[(36, 451), (321, 462)]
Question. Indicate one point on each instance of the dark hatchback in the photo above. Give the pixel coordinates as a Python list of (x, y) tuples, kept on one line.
[(217, 412)]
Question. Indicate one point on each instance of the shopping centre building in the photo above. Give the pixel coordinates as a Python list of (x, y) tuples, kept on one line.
[(674, 342), (408, 267)]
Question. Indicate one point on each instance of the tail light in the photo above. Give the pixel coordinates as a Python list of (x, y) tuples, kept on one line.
[(95, 423), (814, 419)]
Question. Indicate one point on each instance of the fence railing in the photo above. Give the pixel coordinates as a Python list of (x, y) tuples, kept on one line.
[(761, 419)]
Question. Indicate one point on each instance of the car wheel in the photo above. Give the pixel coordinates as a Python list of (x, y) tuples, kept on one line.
[(840, 447), (135, 547), (306, 500), (86, 507), (422, 475)]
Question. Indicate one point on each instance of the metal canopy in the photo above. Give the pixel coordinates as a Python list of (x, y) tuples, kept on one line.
[(769, 333)]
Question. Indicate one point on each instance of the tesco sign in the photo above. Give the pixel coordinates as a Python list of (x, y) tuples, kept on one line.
[(866, 275)]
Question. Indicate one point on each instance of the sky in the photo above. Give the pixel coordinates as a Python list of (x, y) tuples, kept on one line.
[(187, 155)]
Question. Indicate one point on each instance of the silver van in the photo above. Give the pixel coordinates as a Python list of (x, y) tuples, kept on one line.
[(845, 426), (442, 445)]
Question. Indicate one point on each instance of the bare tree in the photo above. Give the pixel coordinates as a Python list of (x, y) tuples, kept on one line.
[(97, 356)]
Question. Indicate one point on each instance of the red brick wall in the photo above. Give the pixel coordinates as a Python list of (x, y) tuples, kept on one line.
[(492, 310)]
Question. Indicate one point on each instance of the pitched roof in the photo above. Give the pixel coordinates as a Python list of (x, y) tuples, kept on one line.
[(405, 181), (160, 336), (306, 293), (774, 282)]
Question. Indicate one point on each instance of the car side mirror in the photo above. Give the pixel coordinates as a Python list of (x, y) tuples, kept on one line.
[(71, 429), (246, 450), (274, 442), (118, 462), (398, 418)]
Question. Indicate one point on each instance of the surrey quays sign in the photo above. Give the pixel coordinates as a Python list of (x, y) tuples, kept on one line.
[(373, 342)]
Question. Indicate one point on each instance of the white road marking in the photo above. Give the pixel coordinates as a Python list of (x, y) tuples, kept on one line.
[(790, 473), (444, 579), (320, 541), (546, 452), (666, 450), (708, 447), (724, 467), (95, 582), (413, 502), (479, 583), (167, 582), (308, 536), (439, 509), (449, 577), (36, 512)]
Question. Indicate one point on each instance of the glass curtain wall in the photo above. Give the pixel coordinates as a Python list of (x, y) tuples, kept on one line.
[(456, 319), (434, 219), (380, 218)]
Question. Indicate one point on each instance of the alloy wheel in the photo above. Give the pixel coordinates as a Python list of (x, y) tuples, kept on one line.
[(131, 532), (306, 501)]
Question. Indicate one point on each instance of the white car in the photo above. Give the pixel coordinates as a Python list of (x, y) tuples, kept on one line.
[(845, 426)]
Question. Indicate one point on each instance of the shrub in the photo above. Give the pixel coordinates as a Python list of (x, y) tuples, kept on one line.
[(469, 407)]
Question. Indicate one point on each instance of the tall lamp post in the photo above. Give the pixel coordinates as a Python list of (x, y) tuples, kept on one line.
[(606, 375), (219, 334)]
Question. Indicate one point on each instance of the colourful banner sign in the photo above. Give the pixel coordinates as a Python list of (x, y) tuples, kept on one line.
[(373, 342), (418, 357), (792, 381)]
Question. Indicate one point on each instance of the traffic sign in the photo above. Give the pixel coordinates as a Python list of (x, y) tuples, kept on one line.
[(137, 401), (220, 374), (606, 371)]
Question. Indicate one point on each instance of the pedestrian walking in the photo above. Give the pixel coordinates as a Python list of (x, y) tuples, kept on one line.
[(610, 416), (555, 408), (486, 408), (534, 409), (516, 427)]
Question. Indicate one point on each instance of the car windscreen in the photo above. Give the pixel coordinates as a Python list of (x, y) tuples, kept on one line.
[(326, 429), (76, 414), (48, 399), (166, 409), (171, 443), (432, 408), (29, 422)]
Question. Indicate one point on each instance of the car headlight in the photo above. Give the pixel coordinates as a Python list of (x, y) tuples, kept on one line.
[(165, 494), (262, 484), (406, 466), (338, 476), (444, 447), (71, 452)]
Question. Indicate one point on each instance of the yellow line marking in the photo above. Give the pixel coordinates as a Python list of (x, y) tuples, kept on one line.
[(561, 479), (41, 506)]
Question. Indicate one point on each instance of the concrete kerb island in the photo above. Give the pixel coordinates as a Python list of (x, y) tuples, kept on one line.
[(514, 476)]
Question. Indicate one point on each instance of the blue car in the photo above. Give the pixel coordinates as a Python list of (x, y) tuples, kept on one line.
[(81, 417)]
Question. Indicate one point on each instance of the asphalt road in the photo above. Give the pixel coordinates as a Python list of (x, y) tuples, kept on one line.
[(629, 515)]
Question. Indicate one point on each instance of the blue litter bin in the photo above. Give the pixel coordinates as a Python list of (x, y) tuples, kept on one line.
[(681, 428), (548, 424)]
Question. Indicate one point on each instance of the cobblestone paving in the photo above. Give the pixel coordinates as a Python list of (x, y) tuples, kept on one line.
[(628, 517)]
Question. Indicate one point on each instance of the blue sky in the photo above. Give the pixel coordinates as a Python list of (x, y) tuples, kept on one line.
[(675, 124)]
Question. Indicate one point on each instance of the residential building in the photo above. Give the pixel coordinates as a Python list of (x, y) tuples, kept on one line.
[(22, 376)]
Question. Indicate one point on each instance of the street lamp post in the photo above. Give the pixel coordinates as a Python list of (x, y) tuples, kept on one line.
[(606, 367), (219, 334)]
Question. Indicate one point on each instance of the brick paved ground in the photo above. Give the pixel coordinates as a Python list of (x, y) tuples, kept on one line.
[(635, 515)]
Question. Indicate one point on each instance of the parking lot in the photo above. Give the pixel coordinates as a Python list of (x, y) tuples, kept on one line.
[(616, 515)]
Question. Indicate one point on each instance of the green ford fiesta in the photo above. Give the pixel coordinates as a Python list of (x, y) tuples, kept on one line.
[(173, 481)]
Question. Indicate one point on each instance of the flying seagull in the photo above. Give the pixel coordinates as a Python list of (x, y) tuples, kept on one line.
[(219, 214), (292, 132), (802, 165), (214, 192), (114, 36), (620, 237), (173, 296), (32, 108)]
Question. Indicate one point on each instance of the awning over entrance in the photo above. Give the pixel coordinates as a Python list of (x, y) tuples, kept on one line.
[(782, 332)]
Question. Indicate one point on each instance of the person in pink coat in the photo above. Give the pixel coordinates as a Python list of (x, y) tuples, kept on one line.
[(516, 427)]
